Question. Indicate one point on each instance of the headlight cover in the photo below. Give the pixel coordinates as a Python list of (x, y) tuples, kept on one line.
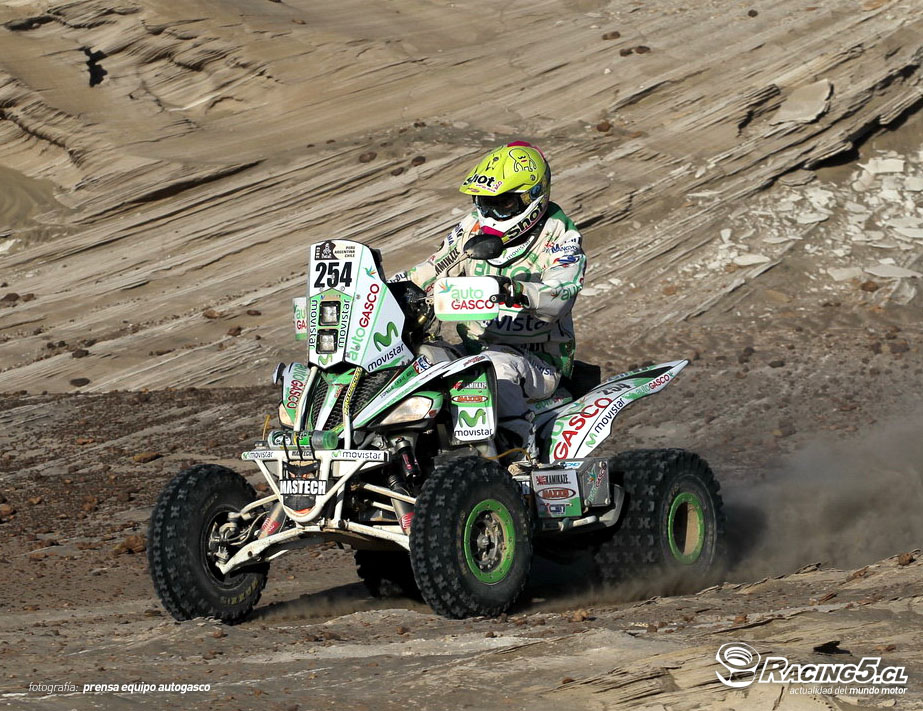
[(326, 340), (411, 410), (329, 313)]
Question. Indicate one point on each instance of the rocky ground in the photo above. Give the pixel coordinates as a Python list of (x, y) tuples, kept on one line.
[(820, 477), (752, 204)]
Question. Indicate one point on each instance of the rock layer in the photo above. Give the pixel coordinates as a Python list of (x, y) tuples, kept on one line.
[(196, 148)]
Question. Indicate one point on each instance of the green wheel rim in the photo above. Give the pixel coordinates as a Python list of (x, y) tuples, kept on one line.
[(686, 528), (489, 541)]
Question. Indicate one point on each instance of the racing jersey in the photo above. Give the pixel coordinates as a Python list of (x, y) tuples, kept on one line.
[(549, 265)]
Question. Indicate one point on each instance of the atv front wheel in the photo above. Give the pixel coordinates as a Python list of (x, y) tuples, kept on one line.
[(182, 540), (470, 542), (673, 524)]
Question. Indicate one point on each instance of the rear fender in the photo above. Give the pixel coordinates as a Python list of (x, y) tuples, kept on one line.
[(578, 428)]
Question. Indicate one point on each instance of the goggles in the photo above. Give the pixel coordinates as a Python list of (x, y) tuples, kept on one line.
[(501, 207)]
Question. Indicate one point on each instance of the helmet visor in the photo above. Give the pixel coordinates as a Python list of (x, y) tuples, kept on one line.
[(500, 207)]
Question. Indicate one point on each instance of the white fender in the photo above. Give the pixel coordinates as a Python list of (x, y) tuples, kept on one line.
[(580, 426), (426, 372)]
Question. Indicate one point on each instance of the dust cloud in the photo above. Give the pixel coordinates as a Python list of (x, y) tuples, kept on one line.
[(840, 503)]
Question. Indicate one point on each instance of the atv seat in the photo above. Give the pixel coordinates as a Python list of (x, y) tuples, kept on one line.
[(584, 378)]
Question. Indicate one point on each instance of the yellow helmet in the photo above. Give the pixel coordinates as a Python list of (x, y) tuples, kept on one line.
[(511, 187)]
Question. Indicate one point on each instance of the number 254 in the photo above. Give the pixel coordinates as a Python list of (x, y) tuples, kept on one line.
[(330, 274)]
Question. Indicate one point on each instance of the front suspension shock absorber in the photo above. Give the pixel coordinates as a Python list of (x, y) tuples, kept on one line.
[(273, 521), (409, 470)]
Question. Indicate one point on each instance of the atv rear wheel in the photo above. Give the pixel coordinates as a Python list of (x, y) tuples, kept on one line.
[(470, 542), (673, 524), (386, 574), (184, 525)]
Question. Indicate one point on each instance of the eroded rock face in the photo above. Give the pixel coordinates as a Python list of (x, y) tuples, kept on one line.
[(184, 154)]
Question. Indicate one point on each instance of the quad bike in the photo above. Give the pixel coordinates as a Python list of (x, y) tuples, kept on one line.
[(391, 446)]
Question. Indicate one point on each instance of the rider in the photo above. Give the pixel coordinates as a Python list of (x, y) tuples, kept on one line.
[(531, 344)]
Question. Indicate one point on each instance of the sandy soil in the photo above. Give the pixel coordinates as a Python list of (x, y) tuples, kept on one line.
[(158, 160), (827, 477)]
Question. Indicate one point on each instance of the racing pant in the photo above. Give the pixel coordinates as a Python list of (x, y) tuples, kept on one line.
[(521, 376)]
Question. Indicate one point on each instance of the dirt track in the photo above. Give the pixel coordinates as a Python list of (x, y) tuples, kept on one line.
[(79, 606)]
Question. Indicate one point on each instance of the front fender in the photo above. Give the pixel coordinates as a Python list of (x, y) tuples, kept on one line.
[(294, 380), (473, 405), (416, 375)]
